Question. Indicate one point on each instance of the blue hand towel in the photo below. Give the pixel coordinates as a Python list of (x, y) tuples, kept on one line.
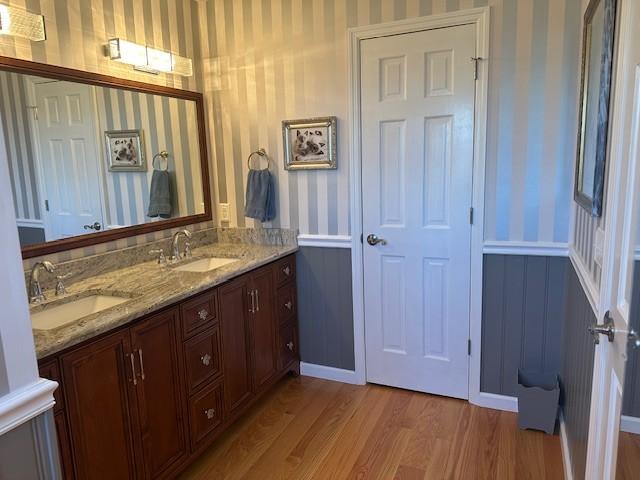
[(160, 195), (261, 200)]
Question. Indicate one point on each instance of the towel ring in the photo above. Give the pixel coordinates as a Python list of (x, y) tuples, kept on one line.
[(165, 155), (262, 153)]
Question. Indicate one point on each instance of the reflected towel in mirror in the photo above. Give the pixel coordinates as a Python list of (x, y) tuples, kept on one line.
[(260, 202), (160, 195)]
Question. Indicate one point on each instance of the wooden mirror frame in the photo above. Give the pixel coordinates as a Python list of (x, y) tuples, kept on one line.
[(100, 80)]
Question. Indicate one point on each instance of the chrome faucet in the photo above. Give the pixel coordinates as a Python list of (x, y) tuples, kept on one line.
[(35, 289), (175, 245)]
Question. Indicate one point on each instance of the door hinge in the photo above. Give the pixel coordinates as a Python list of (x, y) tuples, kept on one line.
[(469, 347), (471, 215), (46, 205), (475, 61), (362, 238)]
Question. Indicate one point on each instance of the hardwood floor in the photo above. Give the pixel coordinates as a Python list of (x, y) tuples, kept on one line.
[(628, 456), (315, 429)]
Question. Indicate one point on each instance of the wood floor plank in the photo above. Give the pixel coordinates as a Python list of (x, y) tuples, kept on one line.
[(320, 430)]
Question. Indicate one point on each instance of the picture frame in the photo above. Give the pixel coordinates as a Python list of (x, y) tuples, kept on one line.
[(595, 97), (310, 144), (125, 151)]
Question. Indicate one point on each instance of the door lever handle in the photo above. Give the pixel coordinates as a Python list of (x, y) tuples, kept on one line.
[(606, 328), (372, 239), (634, 338)]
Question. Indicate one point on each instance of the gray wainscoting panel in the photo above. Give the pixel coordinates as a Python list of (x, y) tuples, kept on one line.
[(30, 235), (631, 402), (577, 371), (325, 307), (523, 307)]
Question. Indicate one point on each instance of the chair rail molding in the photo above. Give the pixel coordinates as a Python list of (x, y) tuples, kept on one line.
[(25, 403), (545, 249), (326, 241)]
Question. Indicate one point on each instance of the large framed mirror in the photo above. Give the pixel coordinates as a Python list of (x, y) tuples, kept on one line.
[(595, 94), (95, 158)]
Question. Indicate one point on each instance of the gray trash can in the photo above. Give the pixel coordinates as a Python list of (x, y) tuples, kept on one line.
[(538, 396)]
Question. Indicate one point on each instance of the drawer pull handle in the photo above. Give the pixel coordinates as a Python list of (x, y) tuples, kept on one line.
[(286, 270), (210, 413), (206, 359), (203, 314), (290, 345), (289, 305)]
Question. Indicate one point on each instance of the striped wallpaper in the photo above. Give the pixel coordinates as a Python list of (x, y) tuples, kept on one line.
[(167, 124), (269, 60), (17, 138)]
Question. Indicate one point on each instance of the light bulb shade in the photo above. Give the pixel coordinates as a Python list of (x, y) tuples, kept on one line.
[(159, 60), (148, 59), (127, 52), (182, 65), (20, 23)]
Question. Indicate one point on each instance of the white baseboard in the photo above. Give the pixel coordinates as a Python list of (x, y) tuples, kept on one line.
[(329, 373), (630, 424), (326, 241), (496, 402), (22, 405), (566, 452), (546, 249)]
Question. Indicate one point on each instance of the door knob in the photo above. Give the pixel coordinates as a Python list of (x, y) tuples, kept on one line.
[(373, 240), (96, 226), (606, 328)]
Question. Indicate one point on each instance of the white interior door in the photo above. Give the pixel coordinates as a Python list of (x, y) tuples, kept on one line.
[(417, 93), (621, 224), (69, 158)]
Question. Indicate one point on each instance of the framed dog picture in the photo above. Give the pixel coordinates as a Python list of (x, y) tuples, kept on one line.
[(310, 144), (125, 151)]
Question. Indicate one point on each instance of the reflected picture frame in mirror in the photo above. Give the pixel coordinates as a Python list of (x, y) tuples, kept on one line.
[(595, 96), (204, 212)]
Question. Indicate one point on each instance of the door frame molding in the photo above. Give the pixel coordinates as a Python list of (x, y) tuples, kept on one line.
[(480, 17)]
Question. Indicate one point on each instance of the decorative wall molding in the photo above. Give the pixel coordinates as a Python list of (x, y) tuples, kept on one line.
[(566, 452), (29, 223), (591, 290), (630, 424), (329, 373), (545, 249), (326, 241), (23, 404)]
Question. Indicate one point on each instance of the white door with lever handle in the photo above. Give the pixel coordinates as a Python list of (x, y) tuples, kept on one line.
[(417, 94)]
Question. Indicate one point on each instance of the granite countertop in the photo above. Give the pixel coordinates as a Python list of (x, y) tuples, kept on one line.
[(151, 287)]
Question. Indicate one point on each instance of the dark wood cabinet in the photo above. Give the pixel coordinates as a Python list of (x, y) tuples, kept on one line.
[(163, 435), (145, 400), (263, 329), (234, 326), (98, 384)]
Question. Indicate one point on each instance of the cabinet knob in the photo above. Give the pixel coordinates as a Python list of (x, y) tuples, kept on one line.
[(290, 345), (286, 270), (205, 359), (203, 314), (210, 413), (289, 305)]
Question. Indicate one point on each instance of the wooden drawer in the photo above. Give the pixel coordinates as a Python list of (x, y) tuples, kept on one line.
[(285, 270), (288, 346), (199, 313), (205, 412), (286, 302), (202, 358), (51, 371)]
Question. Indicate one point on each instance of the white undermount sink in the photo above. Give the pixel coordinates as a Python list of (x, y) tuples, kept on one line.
[(205, 265), (55, 316)]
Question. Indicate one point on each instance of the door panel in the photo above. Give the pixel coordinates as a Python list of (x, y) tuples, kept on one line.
[(96, 380), (160, 406), (235, 344), (263, 329), (418, 93)]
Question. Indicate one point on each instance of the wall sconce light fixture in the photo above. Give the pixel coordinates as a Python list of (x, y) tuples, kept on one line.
[(20, 23), (148, 59)]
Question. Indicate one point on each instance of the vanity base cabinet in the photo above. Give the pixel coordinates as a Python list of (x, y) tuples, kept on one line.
[(98, 385), (145, 401)]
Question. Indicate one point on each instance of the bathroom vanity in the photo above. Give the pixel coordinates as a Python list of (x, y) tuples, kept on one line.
[(143, 399)]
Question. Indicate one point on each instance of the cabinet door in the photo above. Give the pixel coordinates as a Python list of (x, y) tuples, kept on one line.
[(262, 324), (98, 385), (234, 311), (160, 405)]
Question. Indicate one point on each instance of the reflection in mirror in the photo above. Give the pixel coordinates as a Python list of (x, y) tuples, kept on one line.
[(86, 158), (628, 465)]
